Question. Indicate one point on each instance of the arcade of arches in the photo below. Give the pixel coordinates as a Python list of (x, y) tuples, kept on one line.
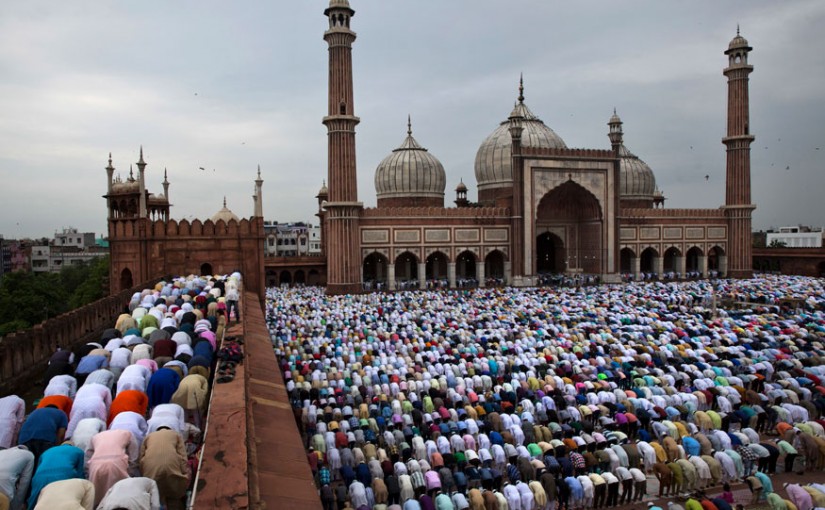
[(673, 261), (292, 277), (407, 268), (570, 227)]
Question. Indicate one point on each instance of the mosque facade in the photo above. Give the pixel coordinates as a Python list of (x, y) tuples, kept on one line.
[(542, 207)]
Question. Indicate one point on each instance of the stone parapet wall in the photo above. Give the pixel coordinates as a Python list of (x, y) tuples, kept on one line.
[(627, 214), (254, 454), (24, 354), (436, 212)]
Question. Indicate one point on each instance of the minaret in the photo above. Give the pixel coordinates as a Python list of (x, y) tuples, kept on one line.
[(110, 172), (521, 267), (342, 209), (259, 199), (142, 185), (165, 186), (322, 196), (738, 207), (616, 135)]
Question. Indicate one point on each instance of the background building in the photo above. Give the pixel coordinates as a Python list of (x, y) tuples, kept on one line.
[(795, 237), (68, 247), (292, 239)]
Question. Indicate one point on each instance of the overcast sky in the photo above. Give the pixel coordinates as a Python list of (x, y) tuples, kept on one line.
[(230, 85)]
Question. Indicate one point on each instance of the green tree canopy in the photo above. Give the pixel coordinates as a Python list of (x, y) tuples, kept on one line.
[(27, 299)]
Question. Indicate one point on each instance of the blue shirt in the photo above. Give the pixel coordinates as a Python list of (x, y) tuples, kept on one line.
[(89, 364), (42, 425), (57, 463)]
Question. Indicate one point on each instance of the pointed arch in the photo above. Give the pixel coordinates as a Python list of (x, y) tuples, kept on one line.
[(494, 266), (126, 279), (406, 267), (627, 257), (575, 217), (375, 267), (285, 278), (670, 263), (715, 257), (300, 277), (206, 269), (436, 266), (648, 260), (465, 265), (693, 259)]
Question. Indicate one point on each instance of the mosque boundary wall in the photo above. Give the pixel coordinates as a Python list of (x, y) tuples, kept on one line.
[(656, 214), (23, 355), (273, 459)]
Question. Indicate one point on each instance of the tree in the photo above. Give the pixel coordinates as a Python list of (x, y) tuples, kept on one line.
[(776, 243), (27, 299)]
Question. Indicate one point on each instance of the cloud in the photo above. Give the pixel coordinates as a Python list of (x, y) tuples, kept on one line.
[(228, 87)]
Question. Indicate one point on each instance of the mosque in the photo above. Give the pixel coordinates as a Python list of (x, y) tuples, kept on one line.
[(542, 207)]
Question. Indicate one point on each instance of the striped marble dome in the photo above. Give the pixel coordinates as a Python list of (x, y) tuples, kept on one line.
[(493, 166), (410, 171), (637, 179)]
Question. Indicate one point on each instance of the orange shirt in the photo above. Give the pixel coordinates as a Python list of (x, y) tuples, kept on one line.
[(129, 400), (62, 402)]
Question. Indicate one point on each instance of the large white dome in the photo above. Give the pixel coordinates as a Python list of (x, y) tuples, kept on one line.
[(493, 166), (410, 171), (637, 179)]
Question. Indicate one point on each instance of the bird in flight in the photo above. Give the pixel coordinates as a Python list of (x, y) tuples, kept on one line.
[(202, 168), (707, 177)]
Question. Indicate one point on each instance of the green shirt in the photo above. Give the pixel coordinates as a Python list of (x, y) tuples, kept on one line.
[(786, 447)]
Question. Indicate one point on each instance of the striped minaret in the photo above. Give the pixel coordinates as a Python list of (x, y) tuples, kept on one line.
[(738, 207), (342, 207)]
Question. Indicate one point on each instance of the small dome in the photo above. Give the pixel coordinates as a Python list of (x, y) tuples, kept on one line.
[(738, 42), (324, 191), (126, 187), (493, 166), (410, 172), (224, 214), (461, 187), (637, 179)]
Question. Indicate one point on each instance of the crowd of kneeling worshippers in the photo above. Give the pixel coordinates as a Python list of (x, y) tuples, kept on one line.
[(119, 422), (570, 398)]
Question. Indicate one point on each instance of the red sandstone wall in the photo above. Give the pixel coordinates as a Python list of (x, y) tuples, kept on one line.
[(23, 355)]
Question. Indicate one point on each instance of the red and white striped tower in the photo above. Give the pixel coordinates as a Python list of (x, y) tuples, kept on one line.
[(342, 207), (738, 207)]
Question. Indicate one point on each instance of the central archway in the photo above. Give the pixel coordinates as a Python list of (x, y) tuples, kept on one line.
[(549, 254), (573, 215)]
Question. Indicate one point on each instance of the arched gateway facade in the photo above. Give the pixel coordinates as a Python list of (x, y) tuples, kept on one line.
[(542, 207)]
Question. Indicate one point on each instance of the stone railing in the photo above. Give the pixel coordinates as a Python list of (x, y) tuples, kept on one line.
[(23, 355), (253, 455)]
